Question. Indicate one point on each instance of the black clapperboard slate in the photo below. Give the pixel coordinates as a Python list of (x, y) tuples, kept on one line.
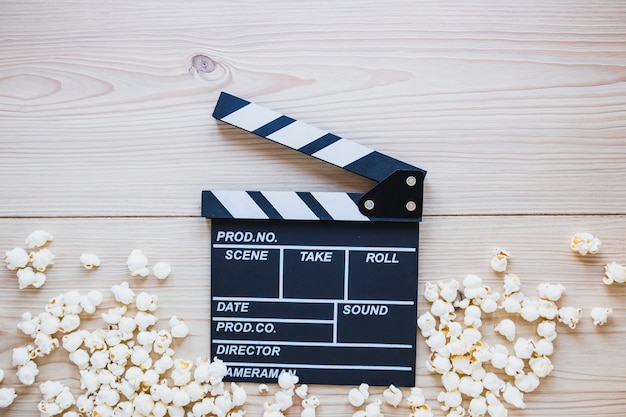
[(320, 284)]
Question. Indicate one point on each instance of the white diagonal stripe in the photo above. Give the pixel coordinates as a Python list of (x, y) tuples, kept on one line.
[(296, 135), (251, 117), (289, 205), (339, 205), (240, 205), (342, 152)]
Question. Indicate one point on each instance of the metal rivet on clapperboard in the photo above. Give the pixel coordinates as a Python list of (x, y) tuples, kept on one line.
[(369, 204), (411, 206), (411, 181)]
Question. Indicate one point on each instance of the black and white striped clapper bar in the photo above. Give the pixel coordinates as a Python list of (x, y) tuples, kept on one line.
[(320, 284)]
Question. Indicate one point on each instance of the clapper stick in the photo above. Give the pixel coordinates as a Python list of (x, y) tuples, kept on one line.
[(396, 197), (320, 284)]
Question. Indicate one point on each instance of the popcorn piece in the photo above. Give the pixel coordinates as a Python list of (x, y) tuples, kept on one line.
[(477, 407), (38, 238), (392, 396), (123, 293), (28, 277), (512, 284), (431, 291), (302, 391), (263, 389), (600, 315), (614, 272), (146, 302), (41, 259), (552, 292), (513, 396), (309, 405), (569, 316), (472, 316), (541, 366), (89, 260), (16, 258), (473, 287), (506, 328), (499, 260), (585, 243), (138, 263), (27, 373), (178, 327), (162, 270), (449, 290), (527, 382), (547, 330), (7, 396)]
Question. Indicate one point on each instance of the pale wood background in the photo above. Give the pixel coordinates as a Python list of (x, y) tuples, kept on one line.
[(517, 110)]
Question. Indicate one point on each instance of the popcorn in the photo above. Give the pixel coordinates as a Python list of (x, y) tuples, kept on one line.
[(506, 328), (600, 315), (552, 292), (28, 277), (89, 260), (358, 396), (16, 258), (146, 302), (472, 316), (541, 366), (513, 396), (569, 316), (161, 270), (512, 284), (392, 396), (263, 389), (585, 243), (123, 293), (477, 407), (527, 382), (499, 260), (27, 372), (138, 263), (38, 238), (41, 259), (547, 330), (7, 396), (614, 272), (179, 329)]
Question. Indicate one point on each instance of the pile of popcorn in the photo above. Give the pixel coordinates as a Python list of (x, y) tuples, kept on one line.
[(128, 368)]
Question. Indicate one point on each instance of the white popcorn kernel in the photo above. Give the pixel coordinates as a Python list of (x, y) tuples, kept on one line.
[(41, 259), (470, 387), (89, 260), (263, 389), (356, 397), (138, 263), (310, 403), (548, 309), (123, 409), (69, 323), (524, 348), (28, 277), (146, 302), (585, 243), (472, 316), (431, 291), (123, 293), (73, 341), (7, 396), (373, 409), (436, 341), (614, 272), (490, 303), (38, 238), (547, 330), (543, 347), (416, 398), (552, 292), (181, 398), (499, 260), (163, 364), (107, 395), (450, 381), (600, 315), (527, 382), (442, 309), (449, 290), (513, 396), (103, 410), (449, 400), (16, 258), (27, 373), (239, 395), (80, 358), (114, 315), (512, 284), (84, 403), (284, 399), (477, 407), (506, 328), (512, 304), (302, 391), (91, 301), (392, 396), (48, 408), (493, 383), (427, 323), (569, 316), (530, 310), (223, 404), (20, 356), (178, 328), (161, 270), (203, 408), (181, 373), (514, 366), (146, 338), (541, 366), (271, 410), (143, 320), (500, 356)]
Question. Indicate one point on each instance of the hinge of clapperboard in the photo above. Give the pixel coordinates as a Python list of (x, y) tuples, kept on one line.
[(397, 196)]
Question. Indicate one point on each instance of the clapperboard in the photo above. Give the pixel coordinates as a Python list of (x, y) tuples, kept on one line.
[(320, 284)]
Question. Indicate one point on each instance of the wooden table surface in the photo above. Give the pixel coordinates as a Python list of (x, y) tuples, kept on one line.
[(517, 110)]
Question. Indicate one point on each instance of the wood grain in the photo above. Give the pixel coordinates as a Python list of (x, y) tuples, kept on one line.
[(517, 110)]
